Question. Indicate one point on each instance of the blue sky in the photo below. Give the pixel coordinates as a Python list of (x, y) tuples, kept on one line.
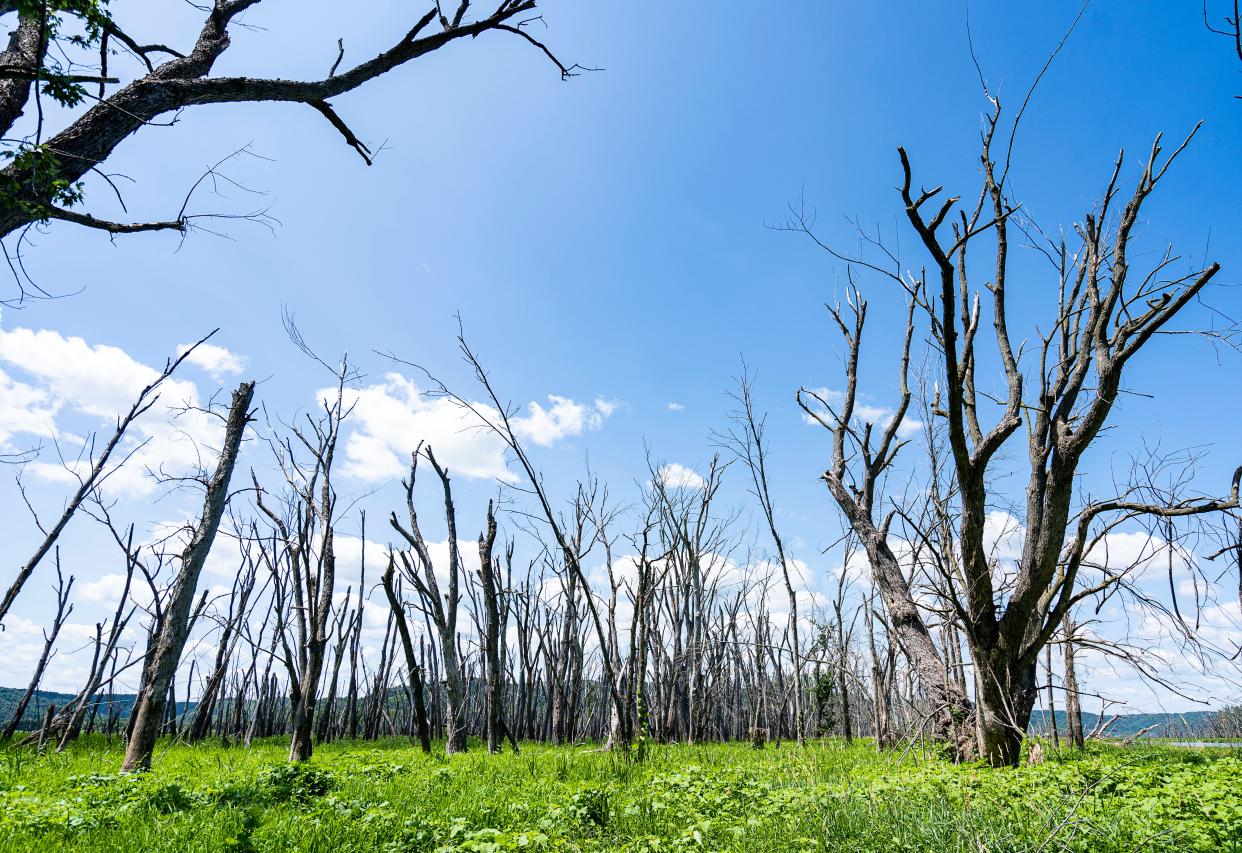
[(604, 238)]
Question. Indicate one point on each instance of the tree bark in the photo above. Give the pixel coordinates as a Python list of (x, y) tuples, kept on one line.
[(166, 652)]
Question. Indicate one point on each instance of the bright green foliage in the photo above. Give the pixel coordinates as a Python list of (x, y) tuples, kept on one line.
[(35, 172), (824, 690), (388, 796), (77, 23), (33, 178)]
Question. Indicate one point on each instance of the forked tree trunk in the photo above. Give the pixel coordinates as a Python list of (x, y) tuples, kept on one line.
[(1005, 701)]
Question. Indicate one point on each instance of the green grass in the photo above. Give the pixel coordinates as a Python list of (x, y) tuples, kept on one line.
[(387, 796)]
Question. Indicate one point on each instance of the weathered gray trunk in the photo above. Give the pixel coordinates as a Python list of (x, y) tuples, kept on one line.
[(950, 712), (166, 651), (1073, 705)]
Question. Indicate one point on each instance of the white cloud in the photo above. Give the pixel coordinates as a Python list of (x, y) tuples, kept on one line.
[(94, 385), (1003, 535), (99, 380), (217, 361), (564, 418), (676, 407), (678, 476), (390, 418), (105, 590), (24, 409), (606, 407)]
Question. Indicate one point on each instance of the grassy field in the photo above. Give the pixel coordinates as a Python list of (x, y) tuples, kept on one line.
[(387, 796)]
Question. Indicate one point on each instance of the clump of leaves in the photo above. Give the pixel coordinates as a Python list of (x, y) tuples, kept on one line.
[(591, 806), (296, 782), (34, 172)]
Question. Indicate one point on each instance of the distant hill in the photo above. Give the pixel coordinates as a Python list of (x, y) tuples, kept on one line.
[(33, 718), (1191, 723)]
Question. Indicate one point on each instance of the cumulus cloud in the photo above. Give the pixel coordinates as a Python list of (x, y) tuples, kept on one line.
[(563, 418), (678, 476), (606, 407), (99, 380), (218, 361), (391, 417), (676, 407), (24, 409), (68, 379)]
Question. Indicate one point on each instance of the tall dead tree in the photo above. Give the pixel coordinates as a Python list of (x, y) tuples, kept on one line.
[(1063, 397), (747, 442), (234, 617), (855, 488), (301, 556), (165, 652), (492, 626), (413, 668), (442, 608), (572, 550)]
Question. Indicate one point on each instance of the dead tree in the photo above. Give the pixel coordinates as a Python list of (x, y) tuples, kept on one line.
[(500, 422), (238, 612), (413, 668), (63, 611), (855, 487), (67, 724), (1103, 317), (747, 442), (165, 653), (1073, 701), (492, 627), (43, 180), (441, 608), (344, 626), (301, 556)]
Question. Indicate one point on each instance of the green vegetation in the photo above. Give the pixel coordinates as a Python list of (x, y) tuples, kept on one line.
[(388, 796)]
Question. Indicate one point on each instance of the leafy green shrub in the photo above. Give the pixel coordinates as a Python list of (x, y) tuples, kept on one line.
[(296, 782)]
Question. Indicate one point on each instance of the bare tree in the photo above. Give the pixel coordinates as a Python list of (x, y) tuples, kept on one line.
[(747, 441), (441, 608), (301, 556), (236, 615), (71, 53), (1104, 316), (63, 611), (165, 652), (492, 628), (413, 667), (569, 548), (855, 490)]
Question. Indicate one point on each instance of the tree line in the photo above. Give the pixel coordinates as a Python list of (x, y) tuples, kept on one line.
[(937, 639)]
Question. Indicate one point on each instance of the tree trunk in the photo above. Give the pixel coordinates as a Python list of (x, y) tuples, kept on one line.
[(411, 662), (1006, 698), (1073, 704), (149, 714)]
